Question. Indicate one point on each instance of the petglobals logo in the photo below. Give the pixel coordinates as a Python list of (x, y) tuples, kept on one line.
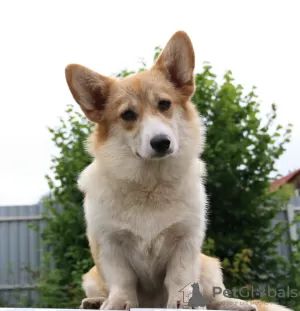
[(252, 292), (192, 296)]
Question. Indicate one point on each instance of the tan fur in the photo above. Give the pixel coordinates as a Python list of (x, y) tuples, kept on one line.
[(266, 306), (145, 211)]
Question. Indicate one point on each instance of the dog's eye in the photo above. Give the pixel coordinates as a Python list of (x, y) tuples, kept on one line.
[(129, 115), (164, 105)]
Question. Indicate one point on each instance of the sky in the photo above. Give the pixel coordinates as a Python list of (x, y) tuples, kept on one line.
[(257, 40)]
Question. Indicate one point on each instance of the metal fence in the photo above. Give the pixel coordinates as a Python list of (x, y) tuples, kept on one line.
[(287, 215), (21, 250)]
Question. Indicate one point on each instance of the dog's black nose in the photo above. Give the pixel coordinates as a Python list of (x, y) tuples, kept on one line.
[(160, 143)]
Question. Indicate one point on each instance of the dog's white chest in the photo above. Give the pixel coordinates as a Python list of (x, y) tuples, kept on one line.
[(147, 215), (145, 224)]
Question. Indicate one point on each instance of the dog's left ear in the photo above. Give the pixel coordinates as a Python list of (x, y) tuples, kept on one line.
[(89, 89), (177, 62)]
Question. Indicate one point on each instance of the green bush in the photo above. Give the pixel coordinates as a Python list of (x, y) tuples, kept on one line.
[(240, 153)]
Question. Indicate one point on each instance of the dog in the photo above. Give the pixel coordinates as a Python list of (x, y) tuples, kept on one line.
[(144, 195)]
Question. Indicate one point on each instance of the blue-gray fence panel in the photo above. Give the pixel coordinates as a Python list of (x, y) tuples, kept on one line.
[(283, 248), (21, 252)]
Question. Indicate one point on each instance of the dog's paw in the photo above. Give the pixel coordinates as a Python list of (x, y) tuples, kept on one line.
[(92, 303), (116, 303), (245, 307)]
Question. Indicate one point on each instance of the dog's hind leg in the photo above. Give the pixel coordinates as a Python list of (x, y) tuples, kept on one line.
[(211, 279), (94, 288)]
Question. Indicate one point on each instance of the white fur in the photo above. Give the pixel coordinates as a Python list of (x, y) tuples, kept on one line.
[(151, 127)]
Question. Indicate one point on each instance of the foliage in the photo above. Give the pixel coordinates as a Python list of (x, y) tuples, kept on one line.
[(65, 230), (240, 153)]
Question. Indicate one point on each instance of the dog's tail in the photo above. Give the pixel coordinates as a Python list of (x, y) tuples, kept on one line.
[(268, 306)]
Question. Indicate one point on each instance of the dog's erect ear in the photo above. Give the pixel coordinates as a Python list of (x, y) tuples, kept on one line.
[(89, 89), (177, 62)]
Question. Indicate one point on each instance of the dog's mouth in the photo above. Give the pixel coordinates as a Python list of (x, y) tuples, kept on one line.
[(159, 155), (156, 156)]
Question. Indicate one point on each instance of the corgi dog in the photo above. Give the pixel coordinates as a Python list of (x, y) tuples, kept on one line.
[(144, 195)]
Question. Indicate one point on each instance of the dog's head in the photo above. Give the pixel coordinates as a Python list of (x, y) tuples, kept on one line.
[(146, 113)]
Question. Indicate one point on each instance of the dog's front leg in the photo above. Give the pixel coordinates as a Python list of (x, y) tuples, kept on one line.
[(121, 278), (182, 269)]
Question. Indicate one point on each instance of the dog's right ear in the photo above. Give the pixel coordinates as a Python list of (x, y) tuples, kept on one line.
[(89, 89), (177, 63)]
